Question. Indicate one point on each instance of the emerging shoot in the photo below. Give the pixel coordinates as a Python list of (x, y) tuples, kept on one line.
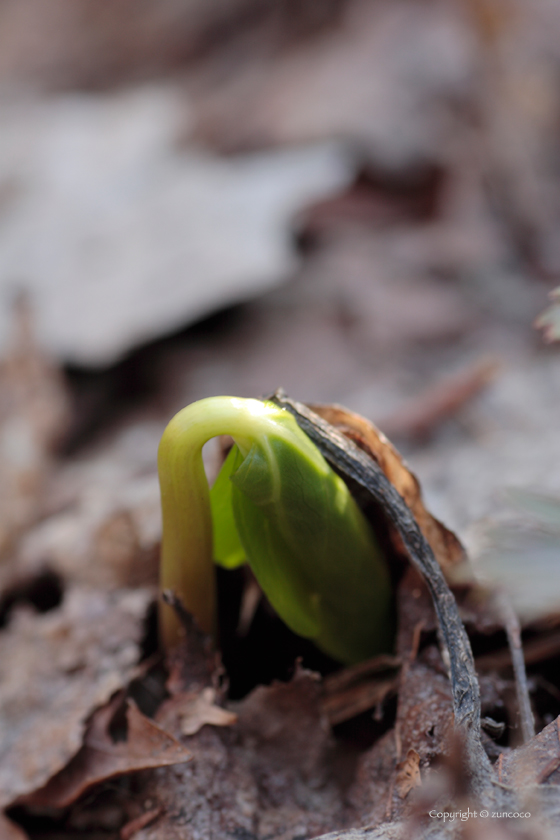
[(278, 506)]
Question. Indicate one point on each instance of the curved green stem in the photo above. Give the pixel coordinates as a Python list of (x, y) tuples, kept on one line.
[(186, 556)]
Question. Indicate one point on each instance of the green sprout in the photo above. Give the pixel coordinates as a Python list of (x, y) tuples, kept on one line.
[(278, 506)]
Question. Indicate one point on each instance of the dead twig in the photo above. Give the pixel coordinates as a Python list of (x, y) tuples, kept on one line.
[(416, 636), (535, 650), (346, 704), (419, 417), (355, 689), (513, 633), (366, 479), (344, 678), (132, 827)]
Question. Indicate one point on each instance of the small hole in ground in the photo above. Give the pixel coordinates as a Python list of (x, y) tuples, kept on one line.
[(44, 591), (269, 649), (150, 641)]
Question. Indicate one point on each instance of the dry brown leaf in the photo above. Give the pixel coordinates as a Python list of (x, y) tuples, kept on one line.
[(445, 545), (424, 715), (424, 724), (269, 776), (214, 795), (536, 762), (408, 774), (100, 522), (197, 710), (55, 669), (34, 413), (287, 718), (101, 758)]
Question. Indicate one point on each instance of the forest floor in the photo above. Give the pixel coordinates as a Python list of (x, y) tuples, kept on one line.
[(399, 162)]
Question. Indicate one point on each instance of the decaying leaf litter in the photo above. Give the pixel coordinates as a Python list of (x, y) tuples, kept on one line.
[(253, 767), (85, 532)]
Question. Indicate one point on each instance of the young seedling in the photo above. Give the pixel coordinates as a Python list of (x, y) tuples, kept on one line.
[(278, 506)]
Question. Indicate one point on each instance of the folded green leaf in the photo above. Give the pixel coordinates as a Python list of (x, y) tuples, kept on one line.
[(228, 551), (278, 504)]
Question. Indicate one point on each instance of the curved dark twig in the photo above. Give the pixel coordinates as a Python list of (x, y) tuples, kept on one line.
[(361, 471)]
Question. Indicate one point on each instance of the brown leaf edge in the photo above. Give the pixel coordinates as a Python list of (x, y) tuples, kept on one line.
[(445, 545), (198, 709), (101, 758)]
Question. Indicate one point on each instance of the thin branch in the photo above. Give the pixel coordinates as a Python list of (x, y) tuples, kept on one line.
[(361, 471), (513, 631)]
